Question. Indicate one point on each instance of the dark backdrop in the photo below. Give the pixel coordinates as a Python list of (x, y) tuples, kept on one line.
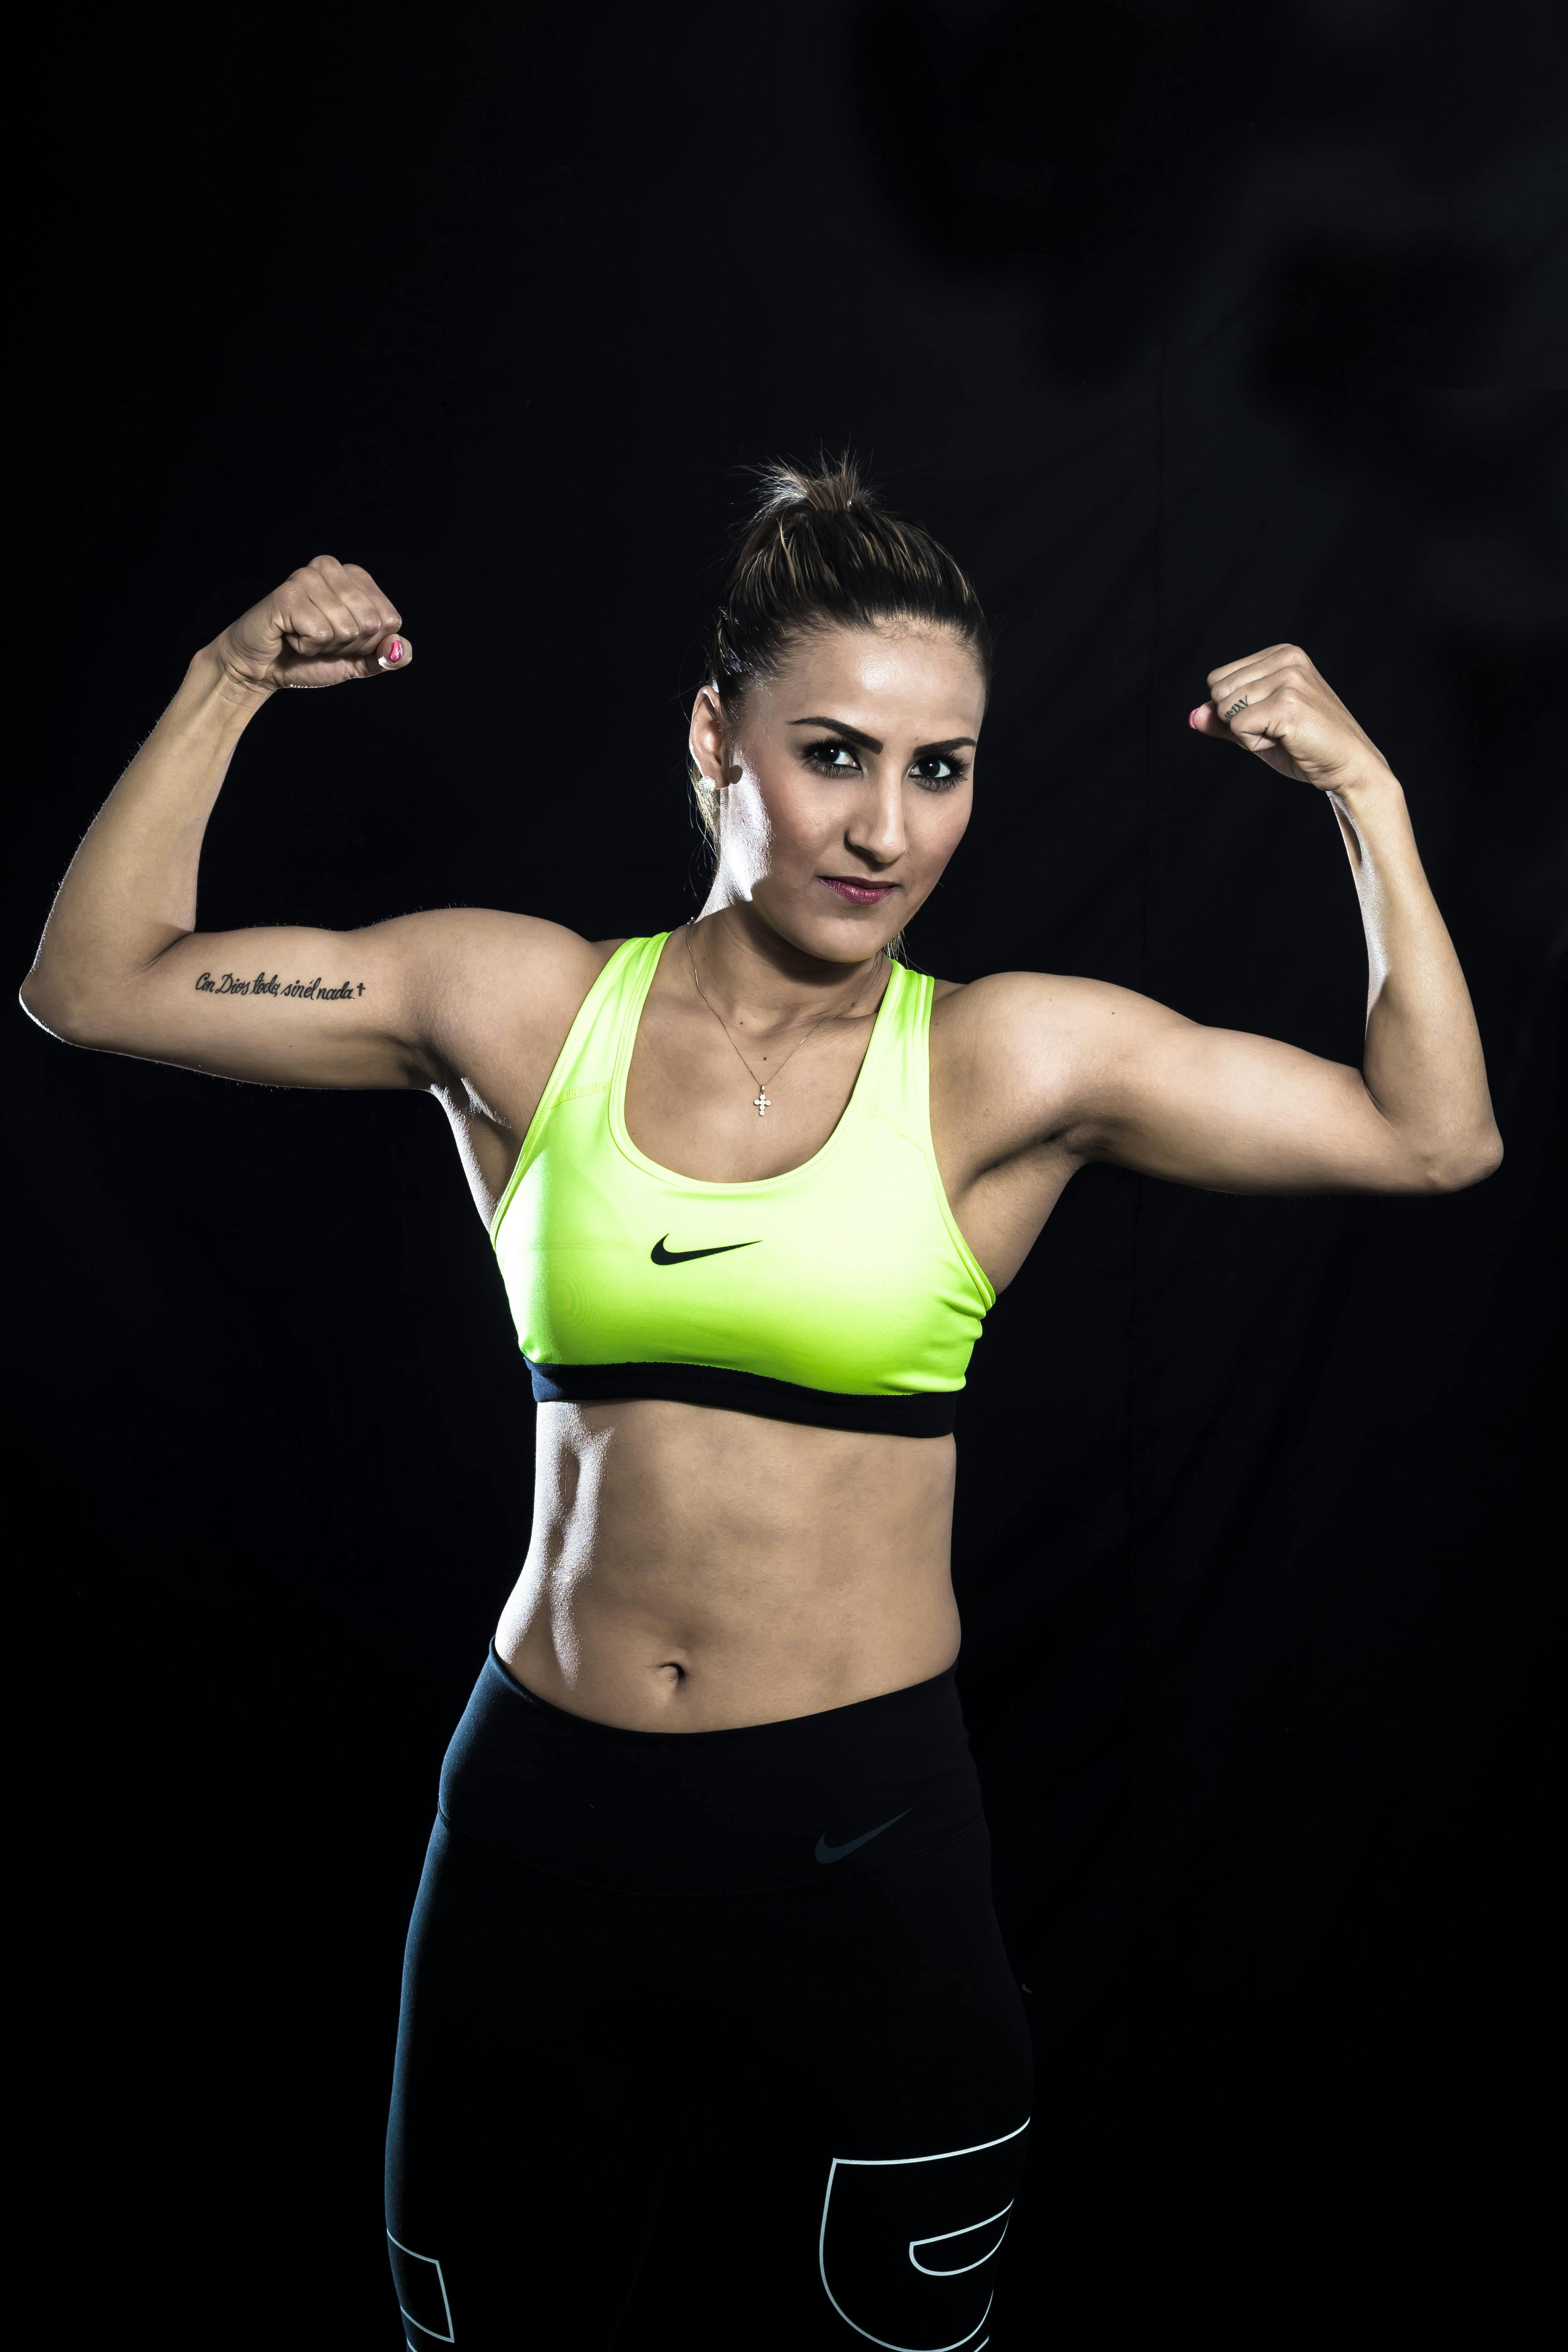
[(1190, 328)]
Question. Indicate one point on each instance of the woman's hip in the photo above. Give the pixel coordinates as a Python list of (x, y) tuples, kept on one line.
[(827, 1797)]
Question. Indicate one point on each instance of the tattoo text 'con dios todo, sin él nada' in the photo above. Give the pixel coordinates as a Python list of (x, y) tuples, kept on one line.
[(261, 986)]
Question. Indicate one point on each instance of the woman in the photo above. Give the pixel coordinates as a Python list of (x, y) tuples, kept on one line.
[(752, 1185)]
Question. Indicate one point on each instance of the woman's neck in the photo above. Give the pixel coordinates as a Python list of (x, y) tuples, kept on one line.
[(760, 980)]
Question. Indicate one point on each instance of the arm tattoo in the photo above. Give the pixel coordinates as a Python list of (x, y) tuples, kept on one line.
[(261, 986)]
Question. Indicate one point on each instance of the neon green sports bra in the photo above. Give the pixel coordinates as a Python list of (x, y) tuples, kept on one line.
[(841, 1293)]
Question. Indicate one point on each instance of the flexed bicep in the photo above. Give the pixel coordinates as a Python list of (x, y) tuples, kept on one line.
[(1224, 1109), (280, 1006)]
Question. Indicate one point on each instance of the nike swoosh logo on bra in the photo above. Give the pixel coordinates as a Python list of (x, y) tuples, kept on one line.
[(662, 1256), (826, 1852)]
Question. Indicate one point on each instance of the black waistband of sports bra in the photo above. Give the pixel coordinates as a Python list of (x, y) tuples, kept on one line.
[(931, 1415), (817, 1798)]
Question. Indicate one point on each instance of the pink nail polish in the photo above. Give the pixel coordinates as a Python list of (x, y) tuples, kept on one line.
[(394, 652), (1194, 716)]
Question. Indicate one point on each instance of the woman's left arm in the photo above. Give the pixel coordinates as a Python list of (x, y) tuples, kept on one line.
[(1239, 1113)]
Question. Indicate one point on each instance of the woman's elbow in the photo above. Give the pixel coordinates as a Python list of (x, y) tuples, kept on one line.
[(59, 1012), (1457, 1166)]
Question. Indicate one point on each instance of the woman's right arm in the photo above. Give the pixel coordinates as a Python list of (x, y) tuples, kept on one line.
[(122, 966)]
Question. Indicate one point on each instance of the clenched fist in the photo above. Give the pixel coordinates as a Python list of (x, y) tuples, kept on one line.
[(1276, 705), (328, 623)]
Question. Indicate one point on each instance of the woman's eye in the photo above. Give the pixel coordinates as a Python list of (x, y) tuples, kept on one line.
[(937, 768), (935, 771)]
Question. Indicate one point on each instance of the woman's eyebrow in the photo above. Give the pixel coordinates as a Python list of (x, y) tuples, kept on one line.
[(869, 742), (850, 734)]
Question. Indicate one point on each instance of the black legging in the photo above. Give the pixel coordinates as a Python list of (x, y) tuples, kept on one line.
[(798, 1914)]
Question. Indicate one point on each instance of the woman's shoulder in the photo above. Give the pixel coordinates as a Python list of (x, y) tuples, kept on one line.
[(1008, 1010), (483, 969), (998, 994)]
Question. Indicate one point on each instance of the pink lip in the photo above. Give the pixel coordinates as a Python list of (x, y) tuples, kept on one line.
[(859, 894)]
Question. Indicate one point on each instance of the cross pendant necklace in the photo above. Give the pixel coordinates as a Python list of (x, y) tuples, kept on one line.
[(761, 1101)]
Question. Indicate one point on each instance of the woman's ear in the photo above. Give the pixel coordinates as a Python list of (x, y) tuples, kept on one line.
[(706, 739)]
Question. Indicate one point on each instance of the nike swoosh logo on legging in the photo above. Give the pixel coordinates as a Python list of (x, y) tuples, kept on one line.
[(826, 1852), (662, 1256)]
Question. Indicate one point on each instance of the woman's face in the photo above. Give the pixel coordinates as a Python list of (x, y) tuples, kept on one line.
[(849, 779)]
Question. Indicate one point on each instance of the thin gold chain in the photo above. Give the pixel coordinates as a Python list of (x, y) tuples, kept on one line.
[(759, 1099)]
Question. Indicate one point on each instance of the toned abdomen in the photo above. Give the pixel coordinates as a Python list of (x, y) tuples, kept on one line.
[(694, 1569)]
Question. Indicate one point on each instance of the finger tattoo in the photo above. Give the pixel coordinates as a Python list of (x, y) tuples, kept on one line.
[(1236, 707)]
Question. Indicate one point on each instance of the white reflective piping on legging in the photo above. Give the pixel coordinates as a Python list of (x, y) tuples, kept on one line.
[(941, 2155), (433, 2334), (943, 2236)]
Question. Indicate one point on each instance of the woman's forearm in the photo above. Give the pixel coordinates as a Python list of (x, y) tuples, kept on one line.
[(1422, 1061), (131, 889)]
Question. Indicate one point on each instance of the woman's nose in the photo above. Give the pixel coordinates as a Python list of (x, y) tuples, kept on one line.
[(876, 826)]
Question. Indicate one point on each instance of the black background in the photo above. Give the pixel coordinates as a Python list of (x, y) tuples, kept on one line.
[(1190, 328)]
